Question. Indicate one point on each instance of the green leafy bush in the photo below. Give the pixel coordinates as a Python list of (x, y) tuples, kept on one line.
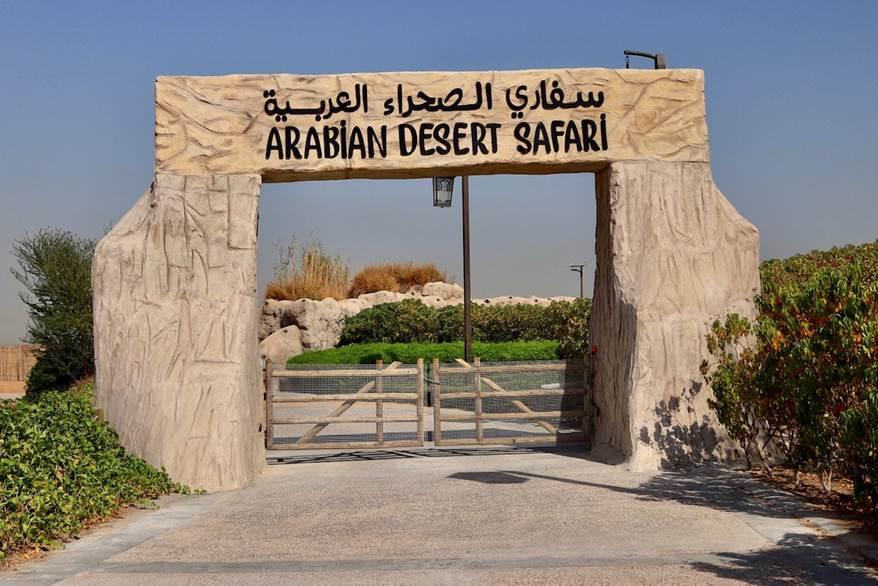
[(804, 376), (412, 321), (405, 321), (445, 352), (778, 273), (61, 468), (54, 266)]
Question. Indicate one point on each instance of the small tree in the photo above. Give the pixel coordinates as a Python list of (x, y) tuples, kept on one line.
[(54, 266)]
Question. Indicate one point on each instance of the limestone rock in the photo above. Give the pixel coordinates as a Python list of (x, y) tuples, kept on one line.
[(442, 290), (274, 313), (320, 322), (281, 345), (439, 301), (351, 307), (379, 297)]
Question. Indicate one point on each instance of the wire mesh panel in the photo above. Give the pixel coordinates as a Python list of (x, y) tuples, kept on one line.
[(352, 406), (517, 403)]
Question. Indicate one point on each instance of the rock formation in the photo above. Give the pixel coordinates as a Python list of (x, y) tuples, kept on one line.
[(281, 345), (319, 323)]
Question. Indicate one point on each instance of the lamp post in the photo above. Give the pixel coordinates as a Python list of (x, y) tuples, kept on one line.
[(578, 269), (443, 187), (658, 59)]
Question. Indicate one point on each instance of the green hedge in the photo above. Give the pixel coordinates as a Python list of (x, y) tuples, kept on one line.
[(779, 273), (804, 375), (411, 321), (61, 468), (445, 352)]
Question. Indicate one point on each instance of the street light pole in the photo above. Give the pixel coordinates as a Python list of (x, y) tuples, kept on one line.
[(578, 269), (443, 187), (467, 287)]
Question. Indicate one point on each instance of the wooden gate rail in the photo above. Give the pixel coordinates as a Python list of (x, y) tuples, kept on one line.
[(524, 413), (364, 394)]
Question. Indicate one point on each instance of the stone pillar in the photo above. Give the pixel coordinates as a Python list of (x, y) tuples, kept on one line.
[(672, 255), (175, 343)]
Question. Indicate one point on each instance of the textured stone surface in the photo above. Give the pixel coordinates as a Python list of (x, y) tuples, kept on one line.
[(272, 315), (175, 340), (672, 254), (512, 300), (379, 297), (442, 290), (320, 322), (282, 344), (217, 125)]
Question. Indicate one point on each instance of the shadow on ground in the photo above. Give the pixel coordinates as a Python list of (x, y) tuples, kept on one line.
[(371, 455), (796, 558)]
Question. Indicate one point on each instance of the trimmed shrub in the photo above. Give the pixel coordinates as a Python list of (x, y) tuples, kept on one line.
[(412, 321), (445, 352), (61, 468), (406, 321), (54, 266)]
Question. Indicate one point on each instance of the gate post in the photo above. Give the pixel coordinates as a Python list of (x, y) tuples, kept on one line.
[(672, 256), (269, 405), (437, 407), (175, 320), (420, 404), (480, 432), (379, 404)]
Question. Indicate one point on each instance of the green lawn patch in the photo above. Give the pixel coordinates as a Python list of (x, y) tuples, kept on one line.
[(445, 352), (62, 468)]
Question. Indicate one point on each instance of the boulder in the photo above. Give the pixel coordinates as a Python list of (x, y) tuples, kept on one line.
[(320, 322), (379, 297), (439, 301), (282, 344), (272, 318), (351, 307), (442, 290)]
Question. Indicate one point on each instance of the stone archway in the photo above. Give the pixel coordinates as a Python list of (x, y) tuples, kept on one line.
[(175, 280)]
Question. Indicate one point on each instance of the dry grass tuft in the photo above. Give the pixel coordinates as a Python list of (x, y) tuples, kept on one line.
[(309, 273), (394, 277)]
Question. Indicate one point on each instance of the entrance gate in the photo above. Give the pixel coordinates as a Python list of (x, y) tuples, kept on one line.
[(536, 403), (175, 288), (523, 403)]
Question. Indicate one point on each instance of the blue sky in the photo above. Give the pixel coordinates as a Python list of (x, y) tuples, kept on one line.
[(790, 96)]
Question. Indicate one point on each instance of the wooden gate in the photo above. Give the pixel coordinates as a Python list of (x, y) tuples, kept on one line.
[(313, 406), (521, 403)]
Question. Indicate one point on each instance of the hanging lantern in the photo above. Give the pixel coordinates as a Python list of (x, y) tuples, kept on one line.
[(442, 190)]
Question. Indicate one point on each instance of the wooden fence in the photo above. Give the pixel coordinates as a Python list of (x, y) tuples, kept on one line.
[(15, 365), (318, 406), (310, 392), (509, 404)]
